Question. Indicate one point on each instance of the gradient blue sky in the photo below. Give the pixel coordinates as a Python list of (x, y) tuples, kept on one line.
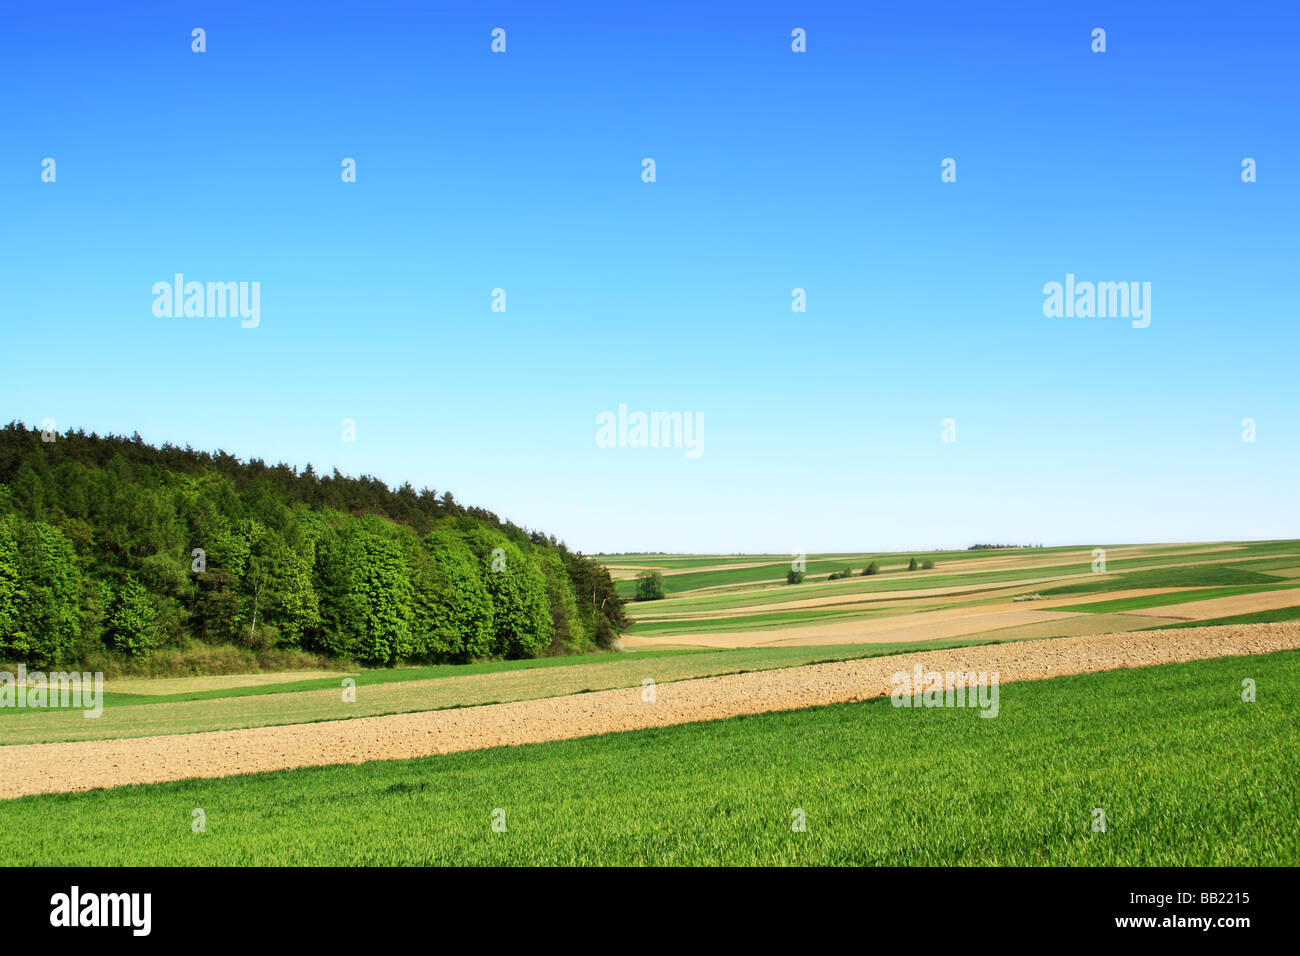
[(775, 170)]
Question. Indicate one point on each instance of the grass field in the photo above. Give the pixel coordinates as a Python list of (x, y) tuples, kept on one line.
[(1186, 773)]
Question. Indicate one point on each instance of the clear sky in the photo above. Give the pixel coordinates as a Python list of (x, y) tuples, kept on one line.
[(775, 170)]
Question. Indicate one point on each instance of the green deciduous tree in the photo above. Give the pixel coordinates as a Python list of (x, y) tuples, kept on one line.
[(367, 605), (40, 591), (573, 633), (131, 624), (453, 610), (521, 619), (649, 586)]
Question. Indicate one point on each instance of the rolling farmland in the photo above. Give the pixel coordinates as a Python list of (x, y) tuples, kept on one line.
[(734, 661)]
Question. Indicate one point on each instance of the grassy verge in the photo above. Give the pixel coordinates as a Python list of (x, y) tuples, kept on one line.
[(1186, 773)]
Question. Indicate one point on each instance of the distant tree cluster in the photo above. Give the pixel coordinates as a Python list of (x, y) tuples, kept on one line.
[(872, 568), (108, 542), (996, 547), (649, 586)]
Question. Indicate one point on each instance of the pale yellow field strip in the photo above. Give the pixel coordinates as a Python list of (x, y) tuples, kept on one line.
[(1226, 606), (158, 686), (48, 768), (921, 626), (1071, 627), (626, 572)]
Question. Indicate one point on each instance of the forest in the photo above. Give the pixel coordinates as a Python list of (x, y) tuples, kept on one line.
[(112, 549)]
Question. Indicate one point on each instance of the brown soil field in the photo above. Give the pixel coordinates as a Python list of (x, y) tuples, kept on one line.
[(47, 768)]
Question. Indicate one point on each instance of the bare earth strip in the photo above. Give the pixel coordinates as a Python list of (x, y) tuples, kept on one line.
[(47, 768)]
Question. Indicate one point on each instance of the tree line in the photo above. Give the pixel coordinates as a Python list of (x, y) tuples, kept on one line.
[(108, 544)]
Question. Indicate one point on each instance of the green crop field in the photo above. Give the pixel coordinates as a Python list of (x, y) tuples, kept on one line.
[(1185, 772)]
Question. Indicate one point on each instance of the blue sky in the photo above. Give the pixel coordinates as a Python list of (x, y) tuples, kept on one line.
[(775, 170)]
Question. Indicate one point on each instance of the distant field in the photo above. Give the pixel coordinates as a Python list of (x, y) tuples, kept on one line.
[(877, 785), (743, 600)]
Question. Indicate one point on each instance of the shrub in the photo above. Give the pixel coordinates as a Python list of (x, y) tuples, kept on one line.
[(793, 577), (912, 565), (927, 565), (872, 568)]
